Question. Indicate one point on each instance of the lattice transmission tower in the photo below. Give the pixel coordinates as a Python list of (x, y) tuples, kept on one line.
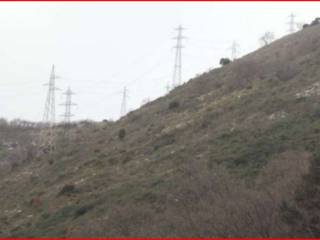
[(68, 105), (235, 50), (177, 69), (123, 110), (49, 115), (292, 23)]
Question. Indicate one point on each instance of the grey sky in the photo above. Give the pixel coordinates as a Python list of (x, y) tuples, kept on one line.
[(100, 47)]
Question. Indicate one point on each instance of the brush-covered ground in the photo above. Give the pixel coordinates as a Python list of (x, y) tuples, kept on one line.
[(234, 152)]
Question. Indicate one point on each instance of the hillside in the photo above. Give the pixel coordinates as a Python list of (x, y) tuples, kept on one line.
[(17, 145), (232, 153)]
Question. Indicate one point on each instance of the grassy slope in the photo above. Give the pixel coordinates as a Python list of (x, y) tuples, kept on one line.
[(242, 117)]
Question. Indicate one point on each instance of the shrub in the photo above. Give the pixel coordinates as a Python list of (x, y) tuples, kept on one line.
[(122, 134), (305, 25), (83, 210), (173, 105), (164, 141), (224, 61), (203, 205), (287, 73), (316, 21), (67, 189)]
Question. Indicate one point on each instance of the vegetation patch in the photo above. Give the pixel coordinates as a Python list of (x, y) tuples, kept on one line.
[(122, 134), (173, 105), (68, 189)]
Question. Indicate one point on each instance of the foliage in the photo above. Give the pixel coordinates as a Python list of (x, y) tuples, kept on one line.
[(224, 61), (122, 134), (173, 105)]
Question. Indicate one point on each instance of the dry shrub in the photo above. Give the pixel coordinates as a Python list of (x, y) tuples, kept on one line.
[(287, 72), (302, 215), (209, 203), (244, 71), (283, 174), (217, 205), (129, 220)]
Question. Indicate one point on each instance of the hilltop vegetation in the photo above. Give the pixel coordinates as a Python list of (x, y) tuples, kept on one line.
[(232, 153)]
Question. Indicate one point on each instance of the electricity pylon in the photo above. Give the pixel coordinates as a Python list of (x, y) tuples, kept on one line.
[(292, 23), (234, 50), (49, 114), (123, 110), (177, 70), (168, 87), (68, 104), (47, 137)]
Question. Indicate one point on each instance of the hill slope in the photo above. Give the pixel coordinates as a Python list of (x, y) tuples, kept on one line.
[(231, 153)]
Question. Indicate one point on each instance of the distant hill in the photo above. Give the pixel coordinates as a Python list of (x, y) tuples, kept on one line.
[(232, 153)]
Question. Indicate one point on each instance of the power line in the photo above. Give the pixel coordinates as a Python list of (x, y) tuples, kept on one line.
[(68, 104), (177, 69), (133, 63), (147, 72)]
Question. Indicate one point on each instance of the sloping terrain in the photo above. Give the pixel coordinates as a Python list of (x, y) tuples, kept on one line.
[(17, 145), (232, 153)]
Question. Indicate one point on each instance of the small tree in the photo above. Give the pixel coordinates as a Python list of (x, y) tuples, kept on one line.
[(224, 61), (267, 38)]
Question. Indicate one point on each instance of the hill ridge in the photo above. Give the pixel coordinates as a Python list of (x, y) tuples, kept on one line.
[(224, 155)]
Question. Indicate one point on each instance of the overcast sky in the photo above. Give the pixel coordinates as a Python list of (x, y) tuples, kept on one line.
[(98, 48)]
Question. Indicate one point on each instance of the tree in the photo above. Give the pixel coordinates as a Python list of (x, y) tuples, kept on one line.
[(224, 61), (267, 38)]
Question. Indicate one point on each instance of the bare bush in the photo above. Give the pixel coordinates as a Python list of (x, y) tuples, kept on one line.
[(244, 72), (216, 205), (267, 38), (284, 173), (287, 72), (210, 203)]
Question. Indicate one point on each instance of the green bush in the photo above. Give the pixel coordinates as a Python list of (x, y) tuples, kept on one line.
[(224, 61), (83, 210), (122, 134), (67, 189), (173, 105)]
